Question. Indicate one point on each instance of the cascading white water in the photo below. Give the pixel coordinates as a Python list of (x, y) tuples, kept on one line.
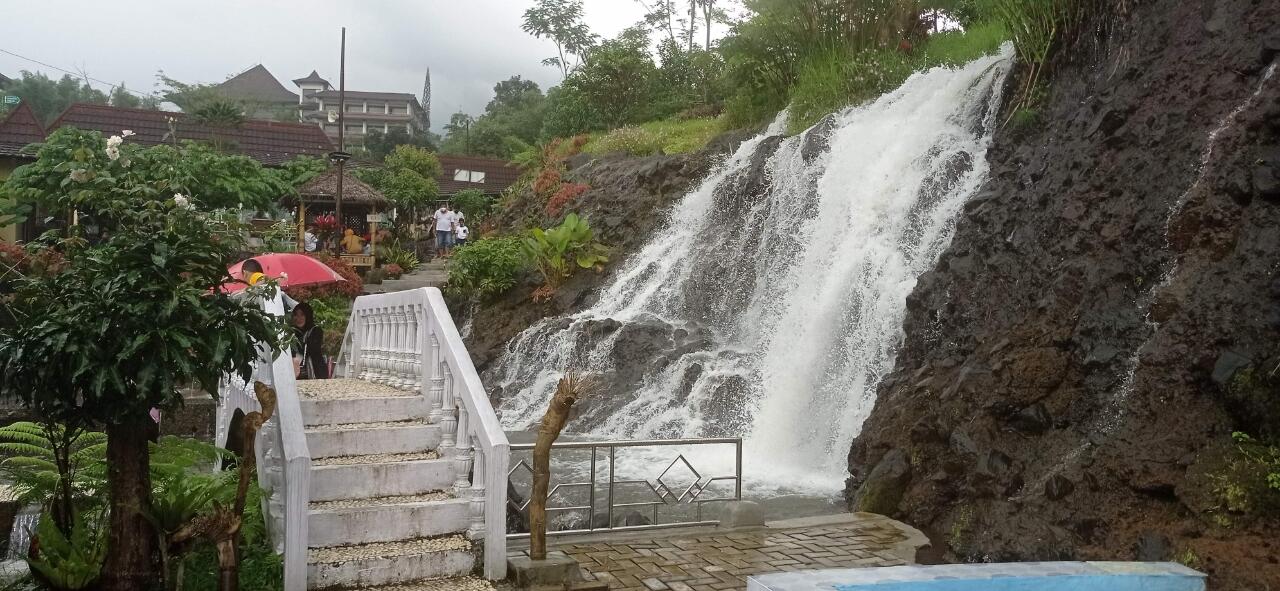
[(20, 533), (771, 303)]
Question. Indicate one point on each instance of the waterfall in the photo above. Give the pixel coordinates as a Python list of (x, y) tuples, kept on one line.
[(770, 303), (20, 534)]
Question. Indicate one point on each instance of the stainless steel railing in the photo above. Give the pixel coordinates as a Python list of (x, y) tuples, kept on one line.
[(567, 497)]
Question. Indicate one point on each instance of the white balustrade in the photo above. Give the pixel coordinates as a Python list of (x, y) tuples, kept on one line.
[(408, 340), (284, 463)]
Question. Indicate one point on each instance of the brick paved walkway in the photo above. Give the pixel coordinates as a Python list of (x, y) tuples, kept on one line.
[(723, 560)]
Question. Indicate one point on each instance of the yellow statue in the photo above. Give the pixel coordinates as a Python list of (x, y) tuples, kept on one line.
[(351, 243)]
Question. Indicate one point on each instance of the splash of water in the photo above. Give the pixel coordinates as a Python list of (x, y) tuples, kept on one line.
[(771, 304)]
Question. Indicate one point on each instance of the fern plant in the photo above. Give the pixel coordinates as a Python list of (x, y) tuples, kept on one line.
[(68, 562), (52, 465)]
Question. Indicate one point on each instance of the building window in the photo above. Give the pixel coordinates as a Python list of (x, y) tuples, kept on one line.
[(399, 110), (355, 108), (355, 129), (468, 176)]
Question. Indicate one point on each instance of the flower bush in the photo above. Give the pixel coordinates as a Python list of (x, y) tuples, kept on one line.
[(393, 270), (568, 192)]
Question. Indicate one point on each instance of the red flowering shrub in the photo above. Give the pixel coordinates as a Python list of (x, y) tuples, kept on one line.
[(568, 192), (350, 289), (393, 270), (548, 181)]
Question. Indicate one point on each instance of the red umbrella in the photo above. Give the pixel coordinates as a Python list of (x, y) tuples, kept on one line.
[(287, 269)]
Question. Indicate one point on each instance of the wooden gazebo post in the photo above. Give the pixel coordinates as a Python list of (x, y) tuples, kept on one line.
[(302, 225)]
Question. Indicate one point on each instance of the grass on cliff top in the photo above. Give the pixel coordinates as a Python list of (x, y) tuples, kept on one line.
[(832, 80), (668, 136)]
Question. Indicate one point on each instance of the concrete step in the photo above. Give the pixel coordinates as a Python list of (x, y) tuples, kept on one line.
[(386, 563), (471, 583), (386, 520), (363, 410), (379, 476), (362, 439)]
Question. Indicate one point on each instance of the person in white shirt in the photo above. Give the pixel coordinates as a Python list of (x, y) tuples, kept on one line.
[(309, 241), (445, 222), (460, 235)]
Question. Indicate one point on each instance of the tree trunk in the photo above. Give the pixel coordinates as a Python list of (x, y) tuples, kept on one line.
[(129, 564), (567, 392)]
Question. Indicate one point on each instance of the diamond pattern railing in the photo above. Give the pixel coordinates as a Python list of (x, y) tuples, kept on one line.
[(665, 490)]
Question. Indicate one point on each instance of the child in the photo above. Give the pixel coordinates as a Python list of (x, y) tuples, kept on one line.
[(461, 234)]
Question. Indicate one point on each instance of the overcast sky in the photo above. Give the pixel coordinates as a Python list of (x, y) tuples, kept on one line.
[(468, 44)]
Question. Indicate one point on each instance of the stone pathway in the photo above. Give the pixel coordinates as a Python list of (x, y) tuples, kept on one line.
[(709, 559)]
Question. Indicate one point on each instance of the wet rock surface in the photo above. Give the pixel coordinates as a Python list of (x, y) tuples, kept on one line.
[(1076, 362)]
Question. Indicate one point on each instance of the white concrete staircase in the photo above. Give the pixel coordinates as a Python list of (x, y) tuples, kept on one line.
[(384, 508)]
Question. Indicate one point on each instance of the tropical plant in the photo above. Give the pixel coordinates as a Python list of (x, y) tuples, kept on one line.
[(173, 505), (46, 464), (68, 561), (562, 22), (556, 252), (486, 267), (406, 259), (131, 320)]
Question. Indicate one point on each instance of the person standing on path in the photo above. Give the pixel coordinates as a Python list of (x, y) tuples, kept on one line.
[(308, 349), (445, 222), (309, 241), (460, 235)]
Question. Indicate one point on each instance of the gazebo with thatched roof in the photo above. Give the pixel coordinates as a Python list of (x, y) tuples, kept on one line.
[(319, 195)]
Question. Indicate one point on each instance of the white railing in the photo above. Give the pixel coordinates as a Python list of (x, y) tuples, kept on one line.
[(284, 463), (408, 340)]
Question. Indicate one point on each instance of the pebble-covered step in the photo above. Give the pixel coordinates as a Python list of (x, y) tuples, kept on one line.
[(386, 563), (383, 475), (344, 388), (358, 439), (453, 584), (392, 520), (365, 409)]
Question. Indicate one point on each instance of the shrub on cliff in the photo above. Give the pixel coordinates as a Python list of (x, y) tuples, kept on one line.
[(557, 252), (485, 268)]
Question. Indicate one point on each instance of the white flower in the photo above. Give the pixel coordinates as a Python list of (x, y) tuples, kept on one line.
[(113, 152), (127, 133), (114, 141), (181, 201), (79, 175)]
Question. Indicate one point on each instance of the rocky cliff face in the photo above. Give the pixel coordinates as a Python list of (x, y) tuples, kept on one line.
[(1107, 315)]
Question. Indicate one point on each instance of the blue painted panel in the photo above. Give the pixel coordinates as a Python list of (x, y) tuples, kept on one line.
[(1012, 576)]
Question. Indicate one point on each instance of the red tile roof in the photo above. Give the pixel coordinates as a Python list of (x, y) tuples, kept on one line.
[(269, 142), (498, 174), (18, 129)]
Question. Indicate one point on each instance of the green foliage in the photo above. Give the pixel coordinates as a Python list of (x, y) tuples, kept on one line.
[(561, 21), (473, 203), (81, 170), (38, 459), (407, 177), (68, 562), (378, 145), (557, 252), (49, 98), (1248, 486), (406, 259), (830, 80), (300, 169), (331, 314), (957, 48), (486, 267), (132, 320), (511, 122), (570, 111), (668, 136), (261, 569)]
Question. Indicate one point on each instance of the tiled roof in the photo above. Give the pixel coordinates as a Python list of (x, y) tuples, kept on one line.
[(19, 128), (258, 85), (325, 186), (269, 142), (498, 174), (312, 77)]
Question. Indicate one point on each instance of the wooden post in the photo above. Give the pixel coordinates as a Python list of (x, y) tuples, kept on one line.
[(568, 391), (302, 226), (373, 237)]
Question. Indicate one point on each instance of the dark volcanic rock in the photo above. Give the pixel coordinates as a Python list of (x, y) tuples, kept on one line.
[(883, 488), (1121, 295)]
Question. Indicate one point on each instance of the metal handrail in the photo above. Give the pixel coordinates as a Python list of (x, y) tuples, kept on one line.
[(666, 497)]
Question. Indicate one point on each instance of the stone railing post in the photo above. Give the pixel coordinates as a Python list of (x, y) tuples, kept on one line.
[(449, 417), (476, 530), (436, 393)]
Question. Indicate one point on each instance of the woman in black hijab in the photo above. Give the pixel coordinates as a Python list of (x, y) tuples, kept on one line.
[(308, 349)]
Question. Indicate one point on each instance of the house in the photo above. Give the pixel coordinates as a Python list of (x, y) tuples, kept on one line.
[(365, 111), (466, 172), (270, 142), (265, 97), (19, 129)]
